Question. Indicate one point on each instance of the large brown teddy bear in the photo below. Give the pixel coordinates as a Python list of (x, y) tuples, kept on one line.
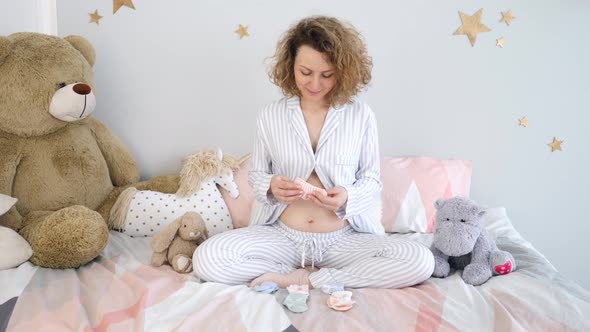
[(65, 167)]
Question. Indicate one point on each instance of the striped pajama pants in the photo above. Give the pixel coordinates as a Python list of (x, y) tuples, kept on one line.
[(345, 256)]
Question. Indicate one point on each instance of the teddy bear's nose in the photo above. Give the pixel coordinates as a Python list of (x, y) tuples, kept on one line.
[(82, 89)]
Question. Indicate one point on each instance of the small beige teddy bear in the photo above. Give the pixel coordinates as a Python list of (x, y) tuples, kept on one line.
[(176, 244)]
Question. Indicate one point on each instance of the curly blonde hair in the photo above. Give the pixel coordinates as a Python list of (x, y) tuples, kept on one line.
[(343, 47)]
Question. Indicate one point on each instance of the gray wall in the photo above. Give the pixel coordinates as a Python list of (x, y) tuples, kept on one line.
[(18, 16), (173, 78)]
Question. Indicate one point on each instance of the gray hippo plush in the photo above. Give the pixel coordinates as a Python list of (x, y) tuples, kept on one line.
[(461, 242)]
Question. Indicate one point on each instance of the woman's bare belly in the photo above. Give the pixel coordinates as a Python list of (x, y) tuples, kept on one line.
[(306, 216)]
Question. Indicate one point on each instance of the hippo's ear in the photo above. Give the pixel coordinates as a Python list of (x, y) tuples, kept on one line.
[(477, 210), (439, 203), (4, 48)]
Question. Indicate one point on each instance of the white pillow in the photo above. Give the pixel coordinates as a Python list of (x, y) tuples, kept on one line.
[(6, 202), (14, 249)]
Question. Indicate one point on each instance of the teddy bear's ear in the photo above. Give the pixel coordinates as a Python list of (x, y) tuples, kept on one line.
[(4, 48), (439, 203), (84, 47)]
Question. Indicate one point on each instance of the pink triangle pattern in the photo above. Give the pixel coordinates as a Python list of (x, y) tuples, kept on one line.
[(434, 178), (430, 311), (396, 180), (119, 303), (221, 313), (419, 308), (514, 314), (432, 220)]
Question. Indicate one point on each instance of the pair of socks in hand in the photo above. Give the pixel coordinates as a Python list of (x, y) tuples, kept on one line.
[(309, 189)]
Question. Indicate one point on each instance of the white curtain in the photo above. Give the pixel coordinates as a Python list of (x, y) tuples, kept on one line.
[(47, 17)]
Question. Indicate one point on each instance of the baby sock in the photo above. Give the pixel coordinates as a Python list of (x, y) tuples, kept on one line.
[(341, 301), (267, 287), (331, 288), (309, 188), (296, 301)]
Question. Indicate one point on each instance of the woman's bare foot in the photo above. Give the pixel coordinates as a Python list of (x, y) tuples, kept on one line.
[(297, 277)]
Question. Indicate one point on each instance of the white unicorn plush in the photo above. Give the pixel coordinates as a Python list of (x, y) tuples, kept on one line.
[(146, 213)]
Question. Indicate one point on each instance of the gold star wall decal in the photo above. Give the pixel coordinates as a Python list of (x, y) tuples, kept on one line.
[(117, 4), (555, 145), (500, 42), (523, 122), (507, 17), (95, 17), (471, 26), (242, 31)]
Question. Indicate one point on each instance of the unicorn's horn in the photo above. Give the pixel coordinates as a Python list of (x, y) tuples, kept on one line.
[(219, 154)]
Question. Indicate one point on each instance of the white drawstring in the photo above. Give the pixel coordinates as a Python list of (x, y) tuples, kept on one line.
[(317, 243), (315, 252), (303, 254)]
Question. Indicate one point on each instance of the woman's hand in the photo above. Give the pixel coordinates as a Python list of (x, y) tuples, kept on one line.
[(284, 190), (337, 197)]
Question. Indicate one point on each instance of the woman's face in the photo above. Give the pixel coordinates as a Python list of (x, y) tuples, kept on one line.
[(314, 75)]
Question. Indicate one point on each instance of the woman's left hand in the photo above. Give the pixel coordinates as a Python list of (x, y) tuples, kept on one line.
[(337, 197)]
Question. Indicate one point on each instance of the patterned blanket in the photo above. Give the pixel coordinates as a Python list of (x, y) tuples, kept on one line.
[(120, 291)]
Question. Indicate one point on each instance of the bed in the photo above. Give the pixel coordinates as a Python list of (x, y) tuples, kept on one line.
[(120, 291)]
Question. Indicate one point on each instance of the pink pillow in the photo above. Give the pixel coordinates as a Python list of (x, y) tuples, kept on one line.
[(240, 208), (411, 186)]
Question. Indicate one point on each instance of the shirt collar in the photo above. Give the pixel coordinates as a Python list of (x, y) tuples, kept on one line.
[(293, 103)]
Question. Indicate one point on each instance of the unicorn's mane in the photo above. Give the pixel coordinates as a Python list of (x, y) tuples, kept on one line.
[(201, 166)]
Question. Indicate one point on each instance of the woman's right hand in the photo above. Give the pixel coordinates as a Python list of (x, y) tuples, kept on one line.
[(284, 190)]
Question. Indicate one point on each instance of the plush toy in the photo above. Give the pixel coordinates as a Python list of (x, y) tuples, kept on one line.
[(461, 242), (65, 167), (176, 244), (144, 212), (14, 250)]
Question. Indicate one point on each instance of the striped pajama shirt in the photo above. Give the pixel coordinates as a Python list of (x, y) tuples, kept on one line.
[(347, 155)]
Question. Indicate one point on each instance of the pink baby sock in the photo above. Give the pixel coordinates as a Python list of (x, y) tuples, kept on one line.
[(309, 188)]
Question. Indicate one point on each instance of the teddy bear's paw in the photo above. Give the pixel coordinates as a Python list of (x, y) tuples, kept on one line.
[(441, 267), (476, 274), (159, 258), (67, 238), (182, 264), (502, 262)]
